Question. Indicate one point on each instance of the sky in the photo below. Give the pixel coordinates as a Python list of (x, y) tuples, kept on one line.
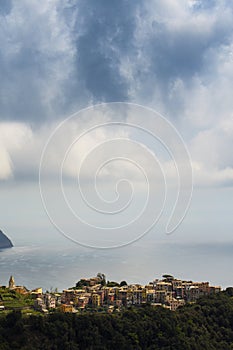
[(58, 57)]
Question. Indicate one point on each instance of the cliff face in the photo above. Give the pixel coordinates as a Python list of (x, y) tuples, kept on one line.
[(5, 242)]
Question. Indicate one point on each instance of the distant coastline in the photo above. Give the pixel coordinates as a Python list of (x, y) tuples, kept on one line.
[(5, 242)]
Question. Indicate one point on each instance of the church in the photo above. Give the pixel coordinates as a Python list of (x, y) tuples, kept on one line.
[(18, 289)]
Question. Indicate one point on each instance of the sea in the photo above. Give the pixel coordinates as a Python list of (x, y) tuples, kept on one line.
[(60, 266)]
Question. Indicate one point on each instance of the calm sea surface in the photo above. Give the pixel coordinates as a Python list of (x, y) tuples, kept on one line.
[(61, 266)]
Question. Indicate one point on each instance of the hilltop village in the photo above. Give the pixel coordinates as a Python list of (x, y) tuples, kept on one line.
[(97, 294)]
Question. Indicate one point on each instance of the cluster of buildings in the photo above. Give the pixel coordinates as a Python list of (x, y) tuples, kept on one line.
[(42, 301), (168, 292)]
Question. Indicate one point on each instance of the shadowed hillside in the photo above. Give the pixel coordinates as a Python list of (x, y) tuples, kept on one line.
[(5, 242)]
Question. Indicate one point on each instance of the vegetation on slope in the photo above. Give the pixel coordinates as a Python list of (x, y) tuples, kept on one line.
[(207, 324)]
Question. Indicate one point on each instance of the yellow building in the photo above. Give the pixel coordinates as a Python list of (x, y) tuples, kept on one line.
[(35, 293), (66, 308), (21, 290), (95, 299), (37, 290)]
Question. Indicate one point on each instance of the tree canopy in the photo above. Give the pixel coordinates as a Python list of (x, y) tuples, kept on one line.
[(205, 325)]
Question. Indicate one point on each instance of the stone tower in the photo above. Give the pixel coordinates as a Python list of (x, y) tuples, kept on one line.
[(11, 283)]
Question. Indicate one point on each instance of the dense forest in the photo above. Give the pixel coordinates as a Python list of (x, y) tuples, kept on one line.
[(207, 324)]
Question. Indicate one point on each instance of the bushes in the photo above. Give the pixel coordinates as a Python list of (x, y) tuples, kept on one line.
[(206, 325)]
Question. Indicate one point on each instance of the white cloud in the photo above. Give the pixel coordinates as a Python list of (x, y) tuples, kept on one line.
[(6, 165), (13, 137), (205, 176), (211, 152), (21, 149)]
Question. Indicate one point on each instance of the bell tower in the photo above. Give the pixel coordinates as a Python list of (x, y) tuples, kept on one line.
[(11, 283)]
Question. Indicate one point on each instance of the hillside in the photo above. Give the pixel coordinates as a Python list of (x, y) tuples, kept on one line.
[(205, 325), (5, 242)]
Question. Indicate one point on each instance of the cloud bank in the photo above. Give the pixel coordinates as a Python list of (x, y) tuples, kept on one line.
[(175, 56)]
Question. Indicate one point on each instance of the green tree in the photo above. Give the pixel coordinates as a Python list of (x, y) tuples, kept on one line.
[(102, 278), (123, 283)]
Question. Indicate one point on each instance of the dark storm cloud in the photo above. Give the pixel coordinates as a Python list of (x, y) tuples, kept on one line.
[(20, 86), (204, 5), (22, 67), (98, 34), (181, 54), (5, 7), (107, 33), (59, 56), (179, 47)]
